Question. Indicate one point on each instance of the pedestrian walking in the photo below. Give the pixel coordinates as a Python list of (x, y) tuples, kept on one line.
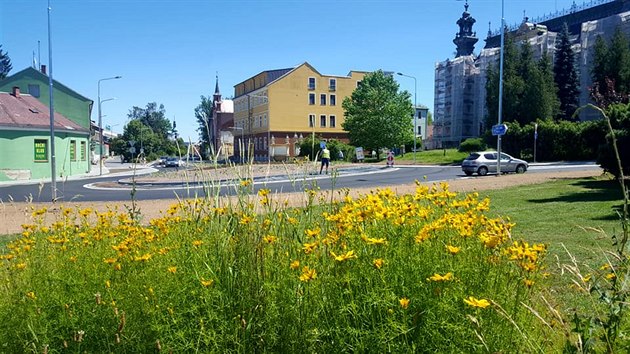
[(325, 160)]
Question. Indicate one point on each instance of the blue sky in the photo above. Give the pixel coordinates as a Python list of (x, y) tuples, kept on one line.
[(169, 51)]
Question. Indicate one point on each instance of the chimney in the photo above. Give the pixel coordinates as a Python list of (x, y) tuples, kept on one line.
[(43, 69), (16, 91)]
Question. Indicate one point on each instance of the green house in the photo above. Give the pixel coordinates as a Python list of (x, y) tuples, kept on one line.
[(68, 103), (25, 141)]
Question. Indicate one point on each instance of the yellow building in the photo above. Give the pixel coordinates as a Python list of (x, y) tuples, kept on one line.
[(276, 109)]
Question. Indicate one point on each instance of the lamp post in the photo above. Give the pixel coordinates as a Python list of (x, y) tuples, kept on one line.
[(500, 88), (53, 172), (100, 121), (415, 111)]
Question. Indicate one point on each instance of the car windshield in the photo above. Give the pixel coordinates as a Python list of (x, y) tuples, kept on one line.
[(473, 156)]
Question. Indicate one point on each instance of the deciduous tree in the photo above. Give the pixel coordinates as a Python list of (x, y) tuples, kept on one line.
[(377, 115)]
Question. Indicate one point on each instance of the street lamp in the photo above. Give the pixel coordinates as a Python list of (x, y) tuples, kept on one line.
[(500, 88), (100, 121), (415, 112)]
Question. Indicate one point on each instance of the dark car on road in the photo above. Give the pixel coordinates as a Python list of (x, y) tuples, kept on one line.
[(485, 162)]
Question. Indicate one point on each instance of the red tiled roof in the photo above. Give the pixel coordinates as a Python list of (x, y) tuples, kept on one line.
[(26, 112)]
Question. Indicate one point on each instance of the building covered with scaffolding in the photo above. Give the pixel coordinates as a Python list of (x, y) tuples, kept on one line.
[(460, 83)]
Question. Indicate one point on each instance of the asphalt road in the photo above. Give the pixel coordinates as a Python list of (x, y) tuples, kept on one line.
[(369, 177)]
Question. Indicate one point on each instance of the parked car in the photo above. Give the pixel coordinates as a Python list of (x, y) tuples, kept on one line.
[(173, 162), (485, 162)]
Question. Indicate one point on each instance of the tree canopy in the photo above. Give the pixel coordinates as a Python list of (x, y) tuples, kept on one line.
[(5, 64), (377, 115)]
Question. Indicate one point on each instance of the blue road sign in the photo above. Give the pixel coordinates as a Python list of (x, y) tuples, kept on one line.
[(499, 129)]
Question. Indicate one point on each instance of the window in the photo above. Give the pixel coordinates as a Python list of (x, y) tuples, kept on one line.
[(311, 83), (73, 150), (333, 121), (358, 83), (333, 100), (33, 90), (311, 120), (322, 99), (419, 130), (41, 150), (332, 84), (311, 98), (322, 120), (83, 150), (264, 120)]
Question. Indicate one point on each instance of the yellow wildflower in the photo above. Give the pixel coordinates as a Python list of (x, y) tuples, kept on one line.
[(404, 302), (109, 260), (437, 277), (207, 283), (611, 276), (378, 263), (31, 295), (343, 257), (270, 239), (453, 249), (295, 264), (528, 282), (312, 232), (481, 303), (172, 269), (309, 247), (197, 243), (246, 182), (108, 284), (308, 274)]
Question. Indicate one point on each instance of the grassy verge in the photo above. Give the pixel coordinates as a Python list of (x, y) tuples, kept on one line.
[(435, 157), (576, 213)]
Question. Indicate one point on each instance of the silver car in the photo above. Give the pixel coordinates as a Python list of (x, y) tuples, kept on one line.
[(482, 163)]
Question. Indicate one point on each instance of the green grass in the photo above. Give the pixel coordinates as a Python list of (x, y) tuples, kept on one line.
[(435, 157), (564, 212)]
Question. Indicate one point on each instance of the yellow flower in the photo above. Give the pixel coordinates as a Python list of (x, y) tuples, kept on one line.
[(528, 282), (437, 277), (378, 263), (108, 284), (270, 239), (31, 295), (309, 247), (264, 192), (312, 233), (172, 269), (374, 241), (109, 260), (197, 243), (295, 264), (143, 258), (404, 302), (118, 266), (453, 249), (308, 274), (610, 276), (246, 182), (343, 257), (481, 303), (20, 266), (207, 283)]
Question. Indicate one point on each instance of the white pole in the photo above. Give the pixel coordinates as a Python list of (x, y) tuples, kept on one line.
[(500, 88), (53, 172)]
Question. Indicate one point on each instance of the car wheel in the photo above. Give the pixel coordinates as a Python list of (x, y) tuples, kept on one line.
[(468, 173), (520, 169), (482, 171)]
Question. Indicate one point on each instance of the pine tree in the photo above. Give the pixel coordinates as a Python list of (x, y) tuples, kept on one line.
[(5, 64), (565, 76)]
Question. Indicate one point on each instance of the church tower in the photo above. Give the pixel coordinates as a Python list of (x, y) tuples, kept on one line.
[(465, 39)]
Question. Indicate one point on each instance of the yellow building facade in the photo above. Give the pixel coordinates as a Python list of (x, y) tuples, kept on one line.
[(275, 110)]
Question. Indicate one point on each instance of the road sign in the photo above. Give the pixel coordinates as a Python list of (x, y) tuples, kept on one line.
[(499, 129), (132, 150)]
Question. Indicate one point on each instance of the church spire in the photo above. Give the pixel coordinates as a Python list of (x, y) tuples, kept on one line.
[(465, 39), (217, 94)]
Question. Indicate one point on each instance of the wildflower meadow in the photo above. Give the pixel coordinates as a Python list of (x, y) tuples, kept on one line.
[(381, 272)]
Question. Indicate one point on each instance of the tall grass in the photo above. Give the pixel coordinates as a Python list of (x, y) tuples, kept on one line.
[(429, 271)]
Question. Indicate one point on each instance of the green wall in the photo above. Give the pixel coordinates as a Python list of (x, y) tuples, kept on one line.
[(18, 154), (67, 102)]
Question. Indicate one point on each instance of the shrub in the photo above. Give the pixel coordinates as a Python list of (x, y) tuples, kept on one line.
[(472, 145)]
